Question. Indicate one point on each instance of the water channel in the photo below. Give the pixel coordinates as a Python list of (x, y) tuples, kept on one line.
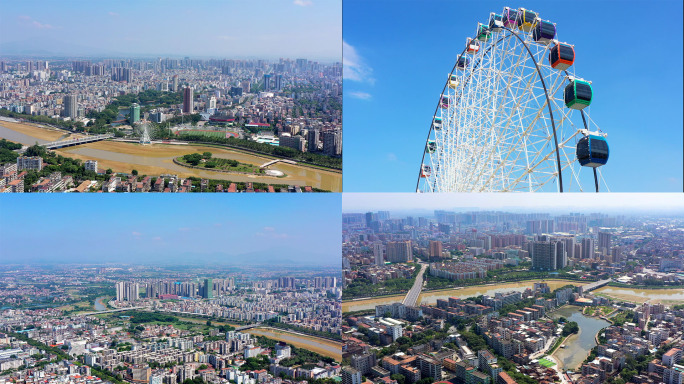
[(577, 347)]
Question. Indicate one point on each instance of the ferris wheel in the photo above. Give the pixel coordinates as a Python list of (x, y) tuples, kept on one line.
[(513, 116)]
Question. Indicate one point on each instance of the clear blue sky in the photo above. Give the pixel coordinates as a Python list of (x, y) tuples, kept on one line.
[(397, 55), (172, 228), (266, 29)]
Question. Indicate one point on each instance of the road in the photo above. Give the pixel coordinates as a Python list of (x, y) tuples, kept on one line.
[(412, 295)]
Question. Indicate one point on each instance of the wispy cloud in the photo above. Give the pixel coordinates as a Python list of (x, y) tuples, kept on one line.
[(303, 3), (156, 238), (361, 95), (391, 157), (136, 234), (226, 38), (184, 229), (271, 233), (113, 14), (355, 67), (28, 21)]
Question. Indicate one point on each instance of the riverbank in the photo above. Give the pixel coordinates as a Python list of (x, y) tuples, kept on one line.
[(321, 346), (157, 159), (430, 297), (642, 295)]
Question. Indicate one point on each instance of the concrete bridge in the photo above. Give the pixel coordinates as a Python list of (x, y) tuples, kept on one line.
[(594, 285), (79, 141), (111, 310), (264, 165)]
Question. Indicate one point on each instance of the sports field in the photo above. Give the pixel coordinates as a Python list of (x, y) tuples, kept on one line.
[(546, 363), (208, 133)]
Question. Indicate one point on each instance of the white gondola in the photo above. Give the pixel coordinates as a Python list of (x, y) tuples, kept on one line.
[(495, 22), (425, 171), (472, 45), (437, 123)]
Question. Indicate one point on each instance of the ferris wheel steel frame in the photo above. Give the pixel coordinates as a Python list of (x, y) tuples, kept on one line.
[(486, 103)]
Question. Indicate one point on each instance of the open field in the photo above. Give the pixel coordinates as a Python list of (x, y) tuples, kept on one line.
[(31, 129)]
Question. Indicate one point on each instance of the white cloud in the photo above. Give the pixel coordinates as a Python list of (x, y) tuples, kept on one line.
[(136, 234), (27, 20), (303, 3), (269, 229), (157, 238), (355, 68), (391, 157), (113, 14), (361, 95)]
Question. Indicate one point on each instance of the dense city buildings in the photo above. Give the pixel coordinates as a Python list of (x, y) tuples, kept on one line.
[(285, 109), (159, 330), (495, 297)]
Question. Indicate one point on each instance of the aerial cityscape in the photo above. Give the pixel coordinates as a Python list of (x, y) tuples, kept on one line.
[(174, 209), (505, 292), (75, 122), (180, 298)]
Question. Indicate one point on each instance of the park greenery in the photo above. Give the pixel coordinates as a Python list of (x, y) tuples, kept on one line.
[(364, 287), (267, 149), (205, 160), (138, 317), (569, 328), (7, 154)]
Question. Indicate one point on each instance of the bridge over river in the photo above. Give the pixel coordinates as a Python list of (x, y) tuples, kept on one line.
[(79, 141)]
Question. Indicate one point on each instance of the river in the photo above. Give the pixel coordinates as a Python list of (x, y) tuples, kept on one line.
[(321, 346), (666, 296), (158, 159), (99, 304), (577, 347)]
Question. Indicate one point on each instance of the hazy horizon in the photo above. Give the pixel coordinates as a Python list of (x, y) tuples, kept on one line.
[(613, 203), (206, 29), (172, 229)]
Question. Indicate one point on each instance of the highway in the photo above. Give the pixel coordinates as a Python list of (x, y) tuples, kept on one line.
[(412, 295)]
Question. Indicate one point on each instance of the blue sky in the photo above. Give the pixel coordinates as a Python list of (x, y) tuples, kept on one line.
[(397, 55), (217, 28), (172, 228)]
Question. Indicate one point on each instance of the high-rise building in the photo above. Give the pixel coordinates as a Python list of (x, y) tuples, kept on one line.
[(332, 143), (126, 291), (377, 254), (70, 106), (312, 137), (188, 100), (561, 255), (604, 240), (267, 82), (211, 104), (587, 248), (399, 251), (278, 86), (175, 83), (208, 290), (134, 115), (435, 248), (544, 256)]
